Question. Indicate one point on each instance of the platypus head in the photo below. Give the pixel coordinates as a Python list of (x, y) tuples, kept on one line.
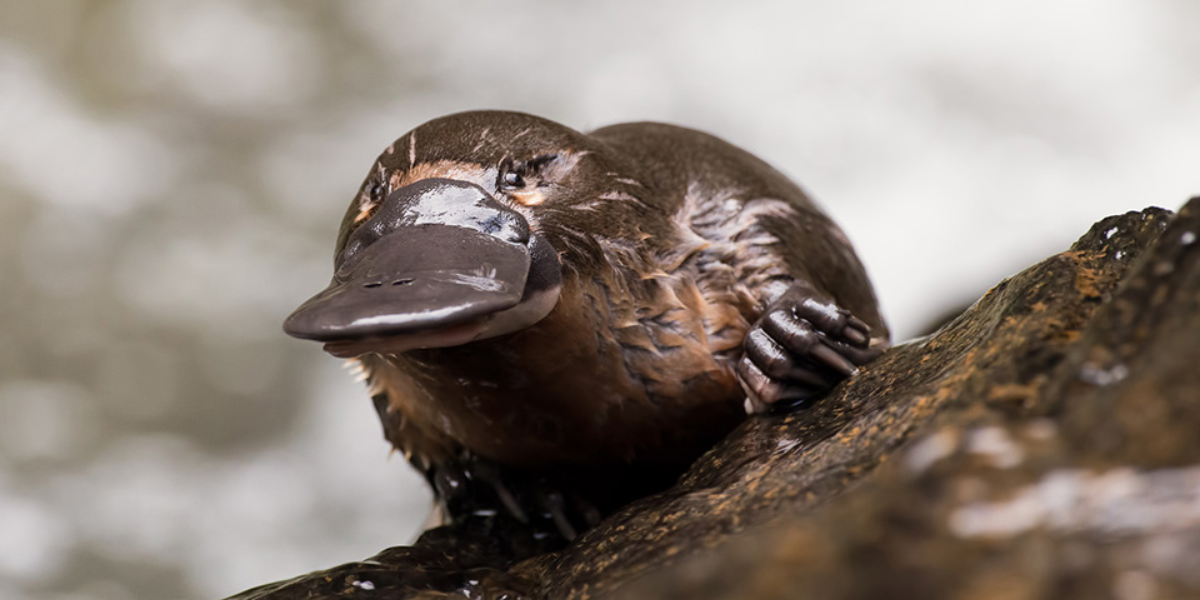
[(452, 237)]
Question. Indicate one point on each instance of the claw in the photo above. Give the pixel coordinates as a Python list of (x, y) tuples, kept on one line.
[(753, 379), (485, 472), (752, 405), (509, 501), (762, 390), (830, 357), (855, 336), (552, 502)]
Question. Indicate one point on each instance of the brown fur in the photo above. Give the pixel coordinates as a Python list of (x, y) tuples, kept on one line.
[(672, 244)]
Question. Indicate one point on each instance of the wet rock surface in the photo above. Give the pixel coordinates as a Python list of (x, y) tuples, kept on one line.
[(1044, 444)]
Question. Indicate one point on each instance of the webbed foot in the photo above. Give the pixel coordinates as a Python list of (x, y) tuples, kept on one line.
[(802, 346), (475, 487)]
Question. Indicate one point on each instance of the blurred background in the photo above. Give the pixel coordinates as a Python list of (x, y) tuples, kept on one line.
[(172, 173)]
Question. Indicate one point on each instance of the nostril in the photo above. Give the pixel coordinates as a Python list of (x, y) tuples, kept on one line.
[(402, 281), (372, 285)]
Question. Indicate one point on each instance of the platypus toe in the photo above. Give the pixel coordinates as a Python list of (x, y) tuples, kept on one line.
[(802, 346)]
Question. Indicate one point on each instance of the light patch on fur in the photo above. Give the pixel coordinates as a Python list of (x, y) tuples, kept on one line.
[(659, 318), (619, 196), (446, 169), (533, 197), (365, 210), (367, 204), (693, 305), (356, 369), (726, 224), (412, 150), (737, 269), (590, 205), (521, 134), (483, 136), (413, 434)]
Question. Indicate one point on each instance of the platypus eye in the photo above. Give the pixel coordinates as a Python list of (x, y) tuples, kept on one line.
[(519, 174), (376, 192), (376, 189), (512, 180)]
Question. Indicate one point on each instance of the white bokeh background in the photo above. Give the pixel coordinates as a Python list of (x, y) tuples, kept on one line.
[(172, 173)]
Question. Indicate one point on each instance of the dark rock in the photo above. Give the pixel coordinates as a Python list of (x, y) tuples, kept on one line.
[(1044, 444)]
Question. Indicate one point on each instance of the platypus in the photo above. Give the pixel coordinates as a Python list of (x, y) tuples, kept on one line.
[(554, 323)]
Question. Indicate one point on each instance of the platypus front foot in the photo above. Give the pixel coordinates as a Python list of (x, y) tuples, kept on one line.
[(803, 345), (474, 487)]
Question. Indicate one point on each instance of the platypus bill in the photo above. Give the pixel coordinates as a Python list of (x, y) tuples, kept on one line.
[(554, 323)]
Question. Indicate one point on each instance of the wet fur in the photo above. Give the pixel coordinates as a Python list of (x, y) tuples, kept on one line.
[(672, 243)]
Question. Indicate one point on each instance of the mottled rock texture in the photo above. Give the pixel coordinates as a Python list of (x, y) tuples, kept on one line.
[(1044, 444)]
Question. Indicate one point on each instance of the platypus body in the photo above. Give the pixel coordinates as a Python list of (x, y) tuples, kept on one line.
[(540, 310)]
